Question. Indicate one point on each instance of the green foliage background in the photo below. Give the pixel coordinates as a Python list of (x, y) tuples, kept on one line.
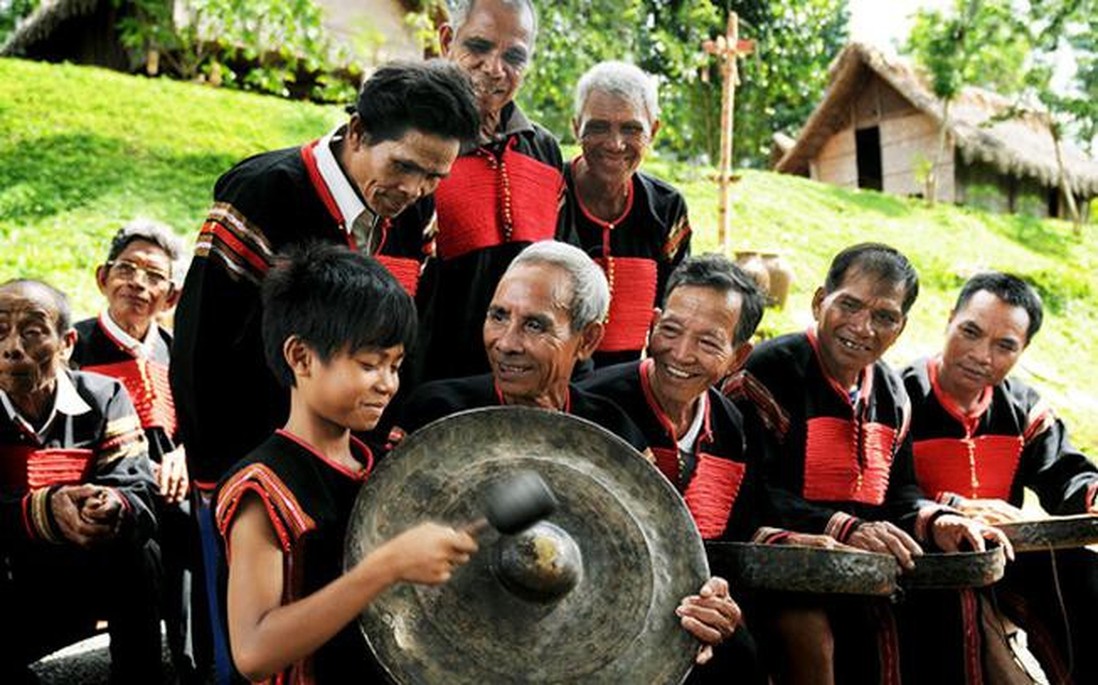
[(83, 150), (780, 83)]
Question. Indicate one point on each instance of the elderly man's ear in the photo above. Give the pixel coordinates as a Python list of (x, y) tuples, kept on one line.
[(590, 337), (68, 343)]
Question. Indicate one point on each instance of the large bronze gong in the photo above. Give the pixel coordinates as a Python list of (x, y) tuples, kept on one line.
[(587, 596)]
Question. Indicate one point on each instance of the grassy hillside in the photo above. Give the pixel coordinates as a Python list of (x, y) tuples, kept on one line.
[(82, 150)]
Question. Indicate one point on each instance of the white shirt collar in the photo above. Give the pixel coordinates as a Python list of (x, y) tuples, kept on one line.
[(134, 346), (346, 197), (686, 442), (66, 401)]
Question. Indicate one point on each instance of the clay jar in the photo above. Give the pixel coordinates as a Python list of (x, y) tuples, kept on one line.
[(753, 265), (781, 278)]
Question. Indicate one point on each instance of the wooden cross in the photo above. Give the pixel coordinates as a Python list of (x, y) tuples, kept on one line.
[(727, 48)]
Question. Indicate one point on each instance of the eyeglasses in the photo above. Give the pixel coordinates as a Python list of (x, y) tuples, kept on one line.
[(128, 271)]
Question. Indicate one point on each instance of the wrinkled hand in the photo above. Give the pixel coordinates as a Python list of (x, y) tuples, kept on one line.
[(172, 477), (710, 616), (429, 553), (950, 531), (820, 541), (884, 537), (86, 514), (991, 511)]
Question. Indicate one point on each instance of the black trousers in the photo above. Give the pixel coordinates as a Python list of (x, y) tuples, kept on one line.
[(52, 595)]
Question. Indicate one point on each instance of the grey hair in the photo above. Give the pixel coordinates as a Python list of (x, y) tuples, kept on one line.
[(622, 79), (460, 10), (590, 291), (157, 233)]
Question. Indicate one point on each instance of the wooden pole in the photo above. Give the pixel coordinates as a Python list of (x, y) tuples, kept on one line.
[(728, 103), (727, 47)]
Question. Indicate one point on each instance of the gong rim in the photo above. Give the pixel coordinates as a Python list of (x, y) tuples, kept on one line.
[(955, 570), (1055, 532), (799, 568), (616, 506)]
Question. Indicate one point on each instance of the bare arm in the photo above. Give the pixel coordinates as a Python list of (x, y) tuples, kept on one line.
[(267, 636)]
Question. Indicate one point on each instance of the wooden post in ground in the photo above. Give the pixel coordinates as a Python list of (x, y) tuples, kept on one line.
[(727, 48)]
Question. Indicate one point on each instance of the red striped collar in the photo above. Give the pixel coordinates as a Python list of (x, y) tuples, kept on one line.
[(645, 369), (340, 197), (359, 451), (126, 342), (967, 419), (865, 385)]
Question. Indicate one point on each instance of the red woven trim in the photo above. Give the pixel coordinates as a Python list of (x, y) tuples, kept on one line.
[(832, 470), (968, 419), (743, 385), (865, 384), (632, 296), (1039, 420), (46, 467), (841, 525), (287, 516), (888, 644), (216, 240), (980, 467), (766, 535), (679, 232), (365, 454), (667, 461), (28, 524), (712, 493), (308, 156), (404, 269), (925, 517), (970, 625), (148, 386), (474, 201)]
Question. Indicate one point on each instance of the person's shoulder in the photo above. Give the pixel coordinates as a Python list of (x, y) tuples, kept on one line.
[(86, 327), (779, 352), (96, 389), (916, 379), (86, 331), (437, 399), (1019, 392), (890, 378), (660, 192), (612, 381), (262, 174)]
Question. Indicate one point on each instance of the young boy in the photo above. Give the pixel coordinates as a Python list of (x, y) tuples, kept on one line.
[(76, 510), (125, 341), (335, 328)]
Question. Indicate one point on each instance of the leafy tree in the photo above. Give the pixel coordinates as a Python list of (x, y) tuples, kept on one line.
[(779, 84), (11, 13), (264, 45), (977, 42)]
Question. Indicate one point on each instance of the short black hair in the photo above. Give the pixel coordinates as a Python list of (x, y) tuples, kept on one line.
[(1010, 289), (880, 260), (334, 300), (433, 97), (63, 320), (718, 272)]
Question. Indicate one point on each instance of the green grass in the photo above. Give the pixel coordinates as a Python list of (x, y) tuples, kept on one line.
[(82, 150)]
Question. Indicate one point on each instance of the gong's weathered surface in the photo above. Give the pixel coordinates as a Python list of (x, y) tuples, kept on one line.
[(621, 550), (956, 570), (1056, 532), (793, 568)]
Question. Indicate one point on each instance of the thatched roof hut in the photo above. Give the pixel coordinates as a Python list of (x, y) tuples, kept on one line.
[(868, 89), (84, 31)]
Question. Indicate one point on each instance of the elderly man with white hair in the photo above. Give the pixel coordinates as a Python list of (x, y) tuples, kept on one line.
[(546, 314), (502, 194), (633, 224)]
